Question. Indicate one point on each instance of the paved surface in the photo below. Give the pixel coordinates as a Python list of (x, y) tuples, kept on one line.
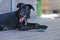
[(52, 33)]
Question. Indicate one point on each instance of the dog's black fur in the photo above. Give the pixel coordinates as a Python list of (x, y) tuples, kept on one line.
[(33, 26), (11, 19)]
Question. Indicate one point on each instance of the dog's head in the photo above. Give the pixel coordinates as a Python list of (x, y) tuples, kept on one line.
[(25, 11)]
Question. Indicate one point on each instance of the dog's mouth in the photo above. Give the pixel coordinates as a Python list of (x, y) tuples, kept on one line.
[(21, 19)]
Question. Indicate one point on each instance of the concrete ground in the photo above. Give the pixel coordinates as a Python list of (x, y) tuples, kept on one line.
[(52, 33)]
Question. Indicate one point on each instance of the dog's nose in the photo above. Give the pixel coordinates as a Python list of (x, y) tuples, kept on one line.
[(22, 13)]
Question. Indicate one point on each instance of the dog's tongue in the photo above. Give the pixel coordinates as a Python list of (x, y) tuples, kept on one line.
[(21, 19)]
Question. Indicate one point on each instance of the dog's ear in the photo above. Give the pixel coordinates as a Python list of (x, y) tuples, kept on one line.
[(30, 6), (19, 5)]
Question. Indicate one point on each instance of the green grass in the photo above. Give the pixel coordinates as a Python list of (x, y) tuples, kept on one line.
[(39, 7)]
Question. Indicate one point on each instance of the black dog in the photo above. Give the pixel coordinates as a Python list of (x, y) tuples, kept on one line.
[(17, 19)]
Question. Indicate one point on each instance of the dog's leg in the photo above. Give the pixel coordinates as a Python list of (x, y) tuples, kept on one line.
[(29, 26), (40, 28), (4, 28)]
